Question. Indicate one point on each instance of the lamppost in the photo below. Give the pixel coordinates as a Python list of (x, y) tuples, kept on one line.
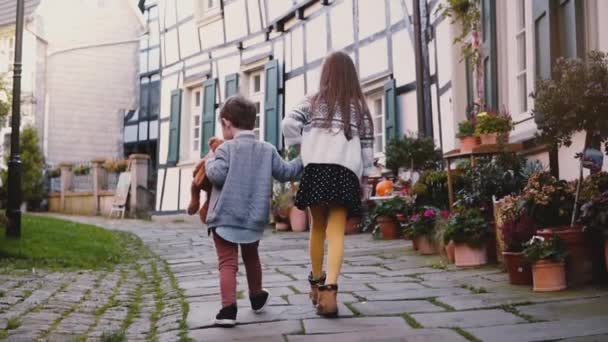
[(14, 165)]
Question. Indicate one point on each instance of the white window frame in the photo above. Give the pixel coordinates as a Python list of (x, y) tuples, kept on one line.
[(206, 14), (257, 97), (371, 102), (519, 70), (196, 110)]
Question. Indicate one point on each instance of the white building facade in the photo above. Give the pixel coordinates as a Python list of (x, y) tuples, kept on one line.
[(80, 74), (272, 51)]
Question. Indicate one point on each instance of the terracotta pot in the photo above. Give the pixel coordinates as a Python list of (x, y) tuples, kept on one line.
[(466, 255), (491, 249), (520, 272), (579, 265), (549, 276), (281, 226), (488, 138), (426, 246), (388, 227), (415, 244), (450, 250), (352, 225), (298, 220), (468, 144)]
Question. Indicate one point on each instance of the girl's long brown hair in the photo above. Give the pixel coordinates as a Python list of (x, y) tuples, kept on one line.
[(339, 89)]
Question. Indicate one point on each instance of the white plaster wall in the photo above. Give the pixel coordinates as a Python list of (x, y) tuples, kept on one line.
[(159, 187), (409, 112), (313, 77), (254, 16), (396, 11), (171, 47), (236, 20), (404, 64), (163, 148), (297, 48), (212, 34), (342, 25), (372, 18), (170, 199), (371, 61), (277, 8), (316, 39), (186, 180), (188, 39), (294, 92)]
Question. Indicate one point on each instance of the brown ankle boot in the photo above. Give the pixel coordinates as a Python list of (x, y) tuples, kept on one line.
[(328, 300), (314, 287)]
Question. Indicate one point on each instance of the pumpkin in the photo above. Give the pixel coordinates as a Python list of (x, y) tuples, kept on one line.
[(384, 188)]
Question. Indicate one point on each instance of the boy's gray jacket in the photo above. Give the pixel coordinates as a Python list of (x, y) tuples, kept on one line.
[(241, 174)]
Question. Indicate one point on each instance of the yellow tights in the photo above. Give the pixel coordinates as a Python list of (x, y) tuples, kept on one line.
[(327, 222)]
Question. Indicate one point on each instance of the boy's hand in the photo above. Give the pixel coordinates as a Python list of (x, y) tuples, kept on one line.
[(214, 143)]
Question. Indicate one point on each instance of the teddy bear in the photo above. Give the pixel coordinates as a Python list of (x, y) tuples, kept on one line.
[(200, 182)]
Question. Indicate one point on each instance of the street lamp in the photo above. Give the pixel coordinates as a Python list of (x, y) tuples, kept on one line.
[(13, 229)]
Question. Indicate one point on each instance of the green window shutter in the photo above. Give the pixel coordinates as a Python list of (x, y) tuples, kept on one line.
[(489, 62), (390, 110), (174, 126), (232, 85), (208, 122), (273, 103), (570, 17)]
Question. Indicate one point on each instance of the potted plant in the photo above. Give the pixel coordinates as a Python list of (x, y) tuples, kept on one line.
[(82, 180), (445, 248), (55, 178), (422, 229), (548, 268), (517, 229), (282, 201), (113, 169), (550, 203), (413, 152), (469, 231), (466, 134), (385, 216), (493, 125), (298, 219), (595, 219)]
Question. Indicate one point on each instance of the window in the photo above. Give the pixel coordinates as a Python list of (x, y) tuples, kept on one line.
[(207, 11), (196, 111), (256, 94), (376, 107), (521, 66)]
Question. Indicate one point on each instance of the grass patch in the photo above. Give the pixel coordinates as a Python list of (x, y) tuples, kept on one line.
[(134, 303), (294, 289), (441, 304), (56, 244), (160, 303), (513, 310), (13, 324), (3, 334), (114, 336), (412, 322), (2, 294), (183, 323), (439, 265), (466, 334), (473, 289), (370, 286), (240, 295)]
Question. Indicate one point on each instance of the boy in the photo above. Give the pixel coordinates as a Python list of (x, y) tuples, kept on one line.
[(241, 173)]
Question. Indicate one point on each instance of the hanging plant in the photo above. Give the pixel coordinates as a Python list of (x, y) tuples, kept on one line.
[(467, 13)]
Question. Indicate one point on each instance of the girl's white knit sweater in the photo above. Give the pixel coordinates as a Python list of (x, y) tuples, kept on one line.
[(322, 145)]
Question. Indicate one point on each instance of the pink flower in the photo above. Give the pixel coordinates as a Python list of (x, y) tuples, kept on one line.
[(445, 214), (429, 213), (415, 217)]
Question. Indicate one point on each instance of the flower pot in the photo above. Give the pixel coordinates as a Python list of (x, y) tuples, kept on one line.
[(466, 255), (549, 276), (488, 138), (388, 227), (426, 246), (281, 226), (491, 249), (298, 220), (415, 244), (579, 265), (468, 144), (520, 272), (352, 225), (450, 251)]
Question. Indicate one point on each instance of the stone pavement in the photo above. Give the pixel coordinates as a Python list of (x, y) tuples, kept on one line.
[(388, 293)]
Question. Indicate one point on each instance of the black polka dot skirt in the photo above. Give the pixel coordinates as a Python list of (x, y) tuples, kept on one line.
[(329, 184)]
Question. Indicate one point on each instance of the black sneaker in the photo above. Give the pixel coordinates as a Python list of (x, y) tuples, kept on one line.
[(226, 318), (259, 301)]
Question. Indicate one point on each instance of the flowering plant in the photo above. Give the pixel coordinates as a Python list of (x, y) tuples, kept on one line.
[(595, 214), (115, 166), (423, 222), (516, 232), (466, 129), (493, 122), (467, 226), (549, 200), (539, 248)]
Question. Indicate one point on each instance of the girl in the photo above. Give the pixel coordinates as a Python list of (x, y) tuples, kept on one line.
[(334, 129)]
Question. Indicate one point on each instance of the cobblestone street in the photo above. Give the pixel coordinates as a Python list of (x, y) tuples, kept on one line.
[(387, 293)]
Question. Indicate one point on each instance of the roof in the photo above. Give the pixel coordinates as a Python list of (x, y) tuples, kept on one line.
[(8, 10)]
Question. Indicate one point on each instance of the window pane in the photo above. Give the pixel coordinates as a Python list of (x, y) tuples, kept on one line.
[(197, 96), (378, 124), (195, 145), (257, 121), (154, 34), (257, 83), (521, 14), (153, 12), (523, 93), (210, 3), (197, 120), (143, 62), (257, 107), (378, 144), (378, 107), (154, 59), (521, 53)]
